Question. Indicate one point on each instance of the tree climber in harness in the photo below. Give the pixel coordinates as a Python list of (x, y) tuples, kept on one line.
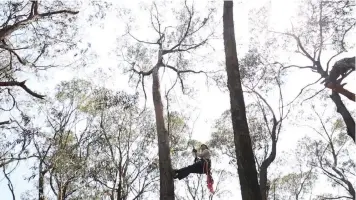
[(202, 165)]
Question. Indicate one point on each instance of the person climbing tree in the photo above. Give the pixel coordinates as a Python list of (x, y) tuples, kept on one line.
[(202, 164)]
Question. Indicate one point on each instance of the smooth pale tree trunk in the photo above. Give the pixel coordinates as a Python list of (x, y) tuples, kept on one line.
[(60, 194), (165, 166), (245, 158)]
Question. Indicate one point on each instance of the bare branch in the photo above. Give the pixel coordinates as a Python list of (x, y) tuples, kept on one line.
[(6, 47), (186, 30), (299, 43), (141, 72), (128, 32), (184, 71), (7, 30), (190, 47), (5, 122), (23, 86), (301, 91), (343, 36), (296, 66), (144, 90), (9, 185), (318, 92), (59, 12), (339, 197)]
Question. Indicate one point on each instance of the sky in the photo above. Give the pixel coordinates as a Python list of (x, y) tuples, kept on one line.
[(209, 102)]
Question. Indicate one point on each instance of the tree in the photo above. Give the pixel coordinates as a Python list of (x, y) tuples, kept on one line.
[(332, 155), (326, 25), (62, 147), (298, 182), (173, 42), (123, 165), (244, 153), (264, 134), (25, 43), (119, 165), (27, 20), (294, 185), (97, 145)]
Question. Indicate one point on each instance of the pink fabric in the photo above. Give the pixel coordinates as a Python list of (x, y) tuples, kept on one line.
[(209, 179)]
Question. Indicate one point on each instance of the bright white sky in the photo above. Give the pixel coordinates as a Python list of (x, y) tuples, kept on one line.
[(208, 104)]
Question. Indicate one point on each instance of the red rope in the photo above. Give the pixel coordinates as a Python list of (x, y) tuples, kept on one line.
[(209, 179)]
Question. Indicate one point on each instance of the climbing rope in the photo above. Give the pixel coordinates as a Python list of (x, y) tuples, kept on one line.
[(209, 178)]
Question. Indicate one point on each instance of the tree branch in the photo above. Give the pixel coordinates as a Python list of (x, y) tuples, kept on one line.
[(299, 43), (7, 30), (186, 30), (58, 12), (128, 32), (339, 197), (23, 86), (6, 47), (296, 66), (9, 185), (5, 122), (318, 92), (301, 91), (192, 46)]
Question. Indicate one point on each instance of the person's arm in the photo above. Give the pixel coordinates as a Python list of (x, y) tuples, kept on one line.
[(205, 153)]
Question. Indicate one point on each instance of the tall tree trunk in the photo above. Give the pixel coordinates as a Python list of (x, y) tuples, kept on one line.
[(165, 166), (344, 112), (245, 158), (41, 183)]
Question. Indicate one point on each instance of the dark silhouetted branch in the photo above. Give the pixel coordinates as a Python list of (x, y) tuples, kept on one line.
[(7, 30), (23, 86)]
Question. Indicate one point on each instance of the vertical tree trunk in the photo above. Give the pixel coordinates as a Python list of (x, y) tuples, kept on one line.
[(341, 108), (263, 184), (60, 194), (165, 166), (245, 159), (118, 191), (41, 183)]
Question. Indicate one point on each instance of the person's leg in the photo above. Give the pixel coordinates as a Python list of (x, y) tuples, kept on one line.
[(185, 171)]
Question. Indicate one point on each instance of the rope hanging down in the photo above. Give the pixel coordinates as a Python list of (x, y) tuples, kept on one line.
[(207, 170)]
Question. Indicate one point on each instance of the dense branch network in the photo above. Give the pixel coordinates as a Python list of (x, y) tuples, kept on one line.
[(332, 79), (18, 19), (181, 46), (333, 169)]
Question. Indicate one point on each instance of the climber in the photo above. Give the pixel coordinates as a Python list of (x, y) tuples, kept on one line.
[(200, 166)]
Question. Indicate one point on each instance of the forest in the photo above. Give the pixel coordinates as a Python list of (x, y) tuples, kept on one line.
[(104, 99)]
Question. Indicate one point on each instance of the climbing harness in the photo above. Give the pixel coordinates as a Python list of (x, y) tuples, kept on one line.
[(207, 171)]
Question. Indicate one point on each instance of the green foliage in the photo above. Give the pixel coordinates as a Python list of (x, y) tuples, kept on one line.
[(293, 185)]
